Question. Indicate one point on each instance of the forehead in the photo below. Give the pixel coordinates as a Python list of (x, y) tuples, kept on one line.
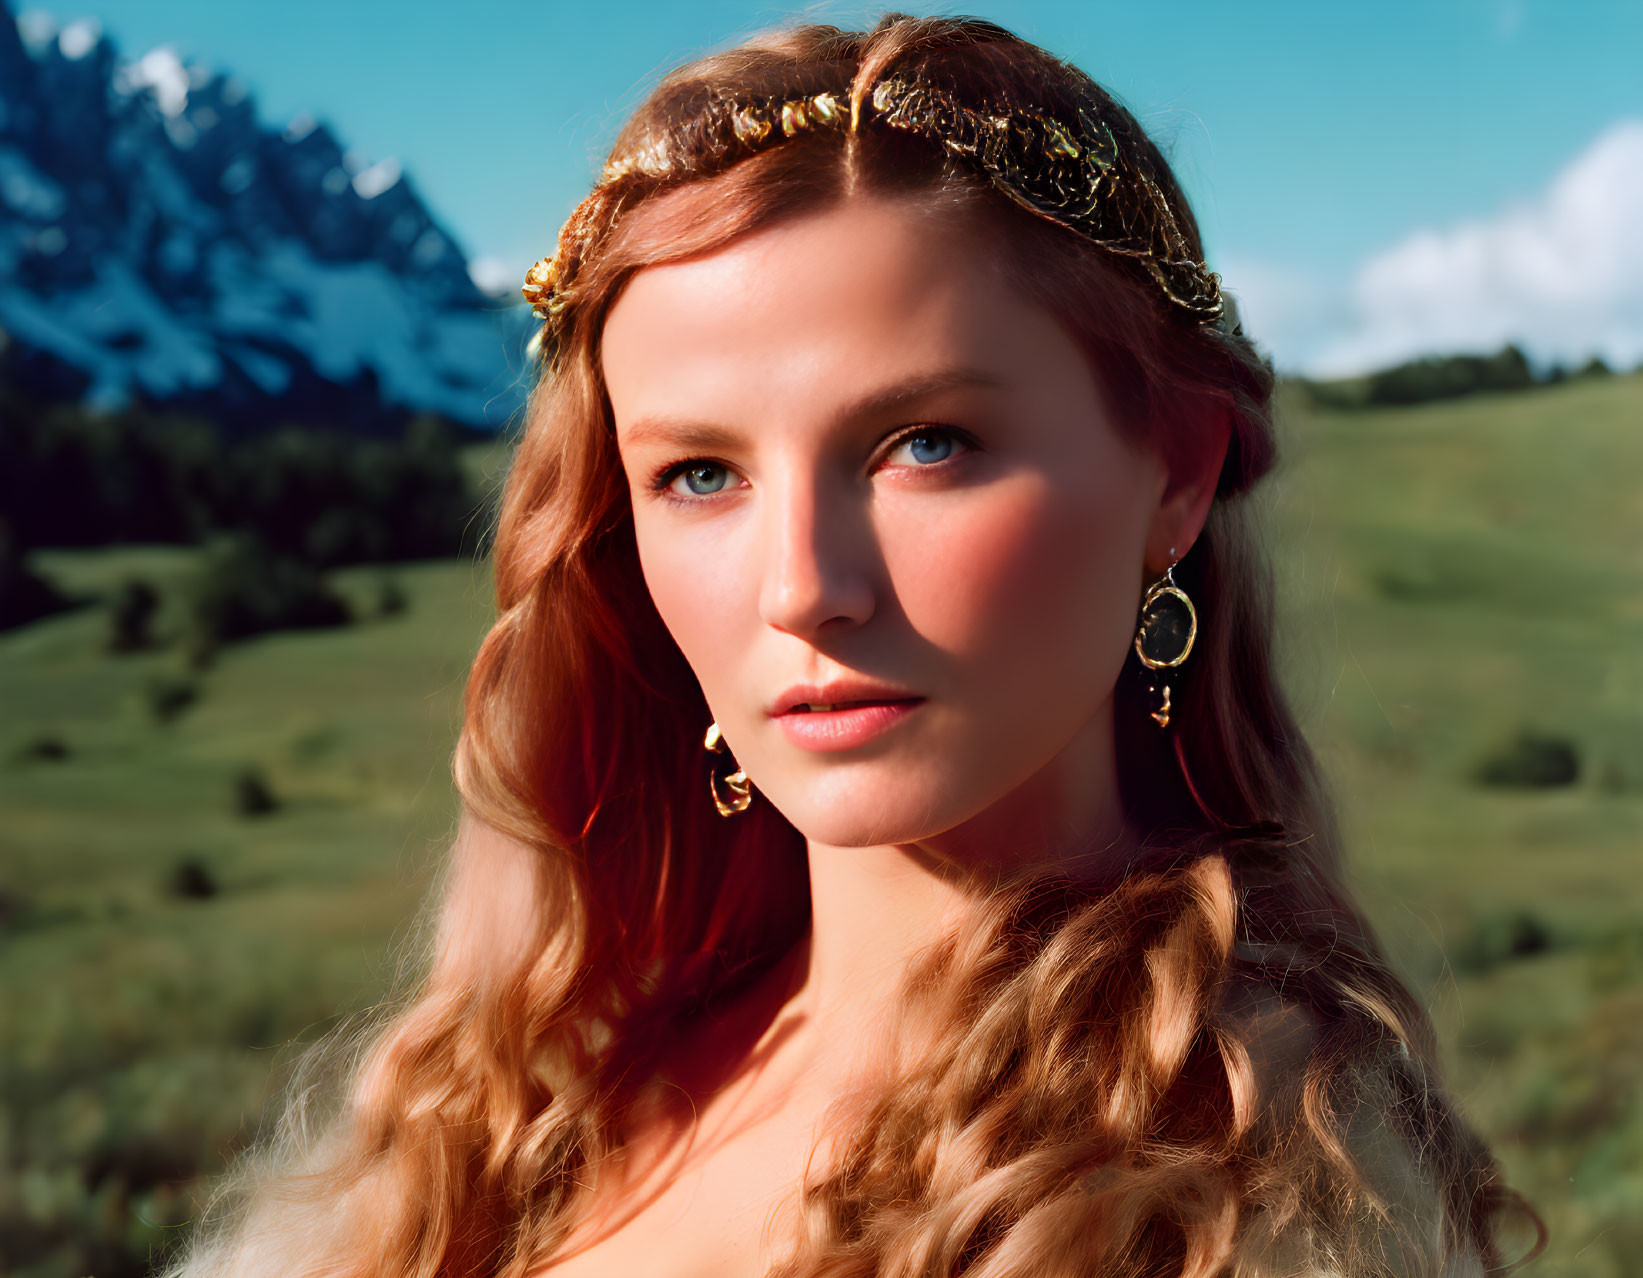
[(814, 310)]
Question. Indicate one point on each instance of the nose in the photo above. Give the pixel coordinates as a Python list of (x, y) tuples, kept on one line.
[(818, 560)]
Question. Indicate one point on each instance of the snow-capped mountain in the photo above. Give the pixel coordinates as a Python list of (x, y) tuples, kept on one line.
[(159, 244)]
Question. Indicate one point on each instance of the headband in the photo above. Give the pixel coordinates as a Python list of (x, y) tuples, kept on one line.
[(1079, 170)]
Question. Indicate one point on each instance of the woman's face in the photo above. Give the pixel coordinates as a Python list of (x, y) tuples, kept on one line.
[(856, 452)]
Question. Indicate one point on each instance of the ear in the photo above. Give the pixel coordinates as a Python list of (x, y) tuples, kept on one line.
[(1190, 488)]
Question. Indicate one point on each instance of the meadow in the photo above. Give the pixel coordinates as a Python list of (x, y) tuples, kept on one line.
[(202, 870)]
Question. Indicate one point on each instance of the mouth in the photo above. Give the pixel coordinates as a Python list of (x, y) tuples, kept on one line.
[(815, 708), (834, 695), (828, 726)]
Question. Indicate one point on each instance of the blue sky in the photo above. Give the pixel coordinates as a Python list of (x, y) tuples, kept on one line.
[(1348, 162)]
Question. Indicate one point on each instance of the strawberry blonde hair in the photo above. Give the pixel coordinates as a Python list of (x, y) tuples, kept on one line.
[(1200, 1063)]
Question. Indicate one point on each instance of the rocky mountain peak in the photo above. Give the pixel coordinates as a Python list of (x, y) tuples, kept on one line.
[(159, 243)]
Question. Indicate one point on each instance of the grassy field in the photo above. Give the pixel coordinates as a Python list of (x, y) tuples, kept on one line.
[(1452, 576), (143, 1027)]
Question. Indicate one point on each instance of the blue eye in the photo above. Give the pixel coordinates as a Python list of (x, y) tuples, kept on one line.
[(927, 446), (699, 478)]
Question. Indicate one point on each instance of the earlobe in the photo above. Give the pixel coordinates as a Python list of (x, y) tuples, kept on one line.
[(1184, 505)]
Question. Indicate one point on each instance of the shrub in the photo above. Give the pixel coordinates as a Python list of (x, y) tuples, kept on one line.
[(42, 748), (244, 589), (131, 616), (168, 698), (1415, 583), (1499, 938), (1532, 760), (391, 599), (252, 795), (1445, 377), (190, 880)]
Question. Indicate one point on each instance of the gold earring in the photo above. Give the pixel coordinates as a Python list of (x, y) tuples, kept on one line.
[(1163, 640), (740, 788)]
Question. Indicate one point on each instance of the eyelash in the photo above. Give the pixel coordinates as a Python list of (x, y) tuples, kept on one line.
[(661, 483)]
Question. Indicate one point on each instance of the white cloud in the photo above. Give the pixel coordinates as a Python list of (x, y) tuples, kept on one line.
[(1560, 274), (1288, 312)]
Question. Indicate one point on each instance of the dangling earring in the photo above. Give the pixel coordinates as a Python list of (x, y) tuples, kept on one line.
[(1169, 624), (739, 787)]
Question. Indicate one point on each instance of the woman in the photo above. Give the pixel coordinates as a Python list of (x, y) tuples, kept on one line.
[(886, 848)]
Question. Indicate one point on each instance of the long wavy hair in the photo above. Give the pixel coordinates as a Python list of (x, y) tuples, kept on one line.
[(1200, 1063)]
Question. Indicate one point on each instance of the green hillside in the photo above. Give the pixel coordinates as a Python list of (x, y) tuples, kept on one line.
[(1457, 576), (1462, 594)]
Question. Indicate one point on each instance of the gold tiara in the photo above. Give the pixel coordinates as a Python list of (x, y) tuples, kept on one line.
[(1078, 171)]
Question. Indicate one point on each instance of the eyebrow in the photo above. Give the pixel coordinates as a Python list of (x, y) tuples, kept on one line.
[(693, 434)]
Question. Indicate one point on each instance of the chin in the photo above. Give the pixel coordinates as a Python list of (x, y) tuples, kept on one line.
[(857, 816), (852, 833)]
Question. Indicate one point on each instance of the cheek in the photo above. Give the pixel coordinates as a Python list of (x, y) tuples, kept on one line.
[(1027, 581), (698, 585)]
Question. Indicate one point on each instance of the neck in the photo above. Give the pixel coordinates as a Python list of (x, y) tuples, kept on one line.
[(873, 909), (819, 1021)]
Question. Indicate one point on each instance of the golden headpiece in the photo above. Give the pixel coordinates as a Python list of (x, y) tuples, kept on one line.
[(1081, 167)]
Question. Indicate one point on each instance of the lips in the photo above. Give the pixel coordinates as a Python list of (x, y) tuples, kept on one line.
[(847, 725), (841, 713), (836, 695)]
